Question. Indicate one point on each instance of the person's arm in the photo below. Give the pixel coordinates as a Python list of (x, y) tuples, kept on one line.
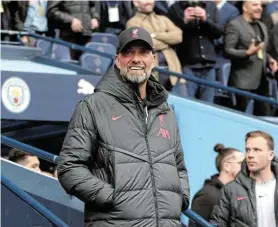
[(74, 168), (231, 38), (221, 213), (93, 11), (173, 34), (182, 171), (55, 15)]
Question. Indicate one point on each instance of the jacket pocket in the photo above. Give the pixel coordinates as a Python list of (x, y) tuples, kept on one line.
[(238, 223)]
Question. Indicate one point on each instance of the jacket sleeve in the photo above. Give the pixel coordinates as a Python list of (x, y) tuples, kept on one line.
[(221, 213), (93, 11), (182, 171), (231, 38), (55, 15), (74, 171), (173, 34)]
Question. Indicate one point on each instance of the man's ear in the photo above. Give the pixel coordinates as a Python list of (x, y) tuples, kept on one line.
[(271, 155), (154, 58), (117, 61)]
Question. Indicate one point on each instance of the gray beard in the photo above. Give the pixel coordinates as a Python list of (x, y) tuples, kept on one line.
[(135, 78)]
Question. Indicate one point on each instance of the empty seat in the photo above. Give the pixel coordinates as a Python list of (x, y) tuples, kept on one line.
[(95, 63), (105, 38), (45, 46), (61, 53), (102, 47)]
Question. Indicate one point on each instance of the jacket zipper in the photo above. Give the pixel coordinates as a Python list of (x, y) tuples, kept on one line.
[(151, 164)]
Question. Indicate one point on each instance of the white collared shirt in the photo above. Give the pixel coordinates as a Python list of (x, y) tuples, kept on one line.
[(220, 5)]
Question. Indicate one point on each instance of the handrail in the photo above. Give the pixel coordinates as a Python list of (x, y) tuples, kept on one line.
[(219, 86), (197, 218), (27, 148), (42, 210), (59, 41), (180, 75)]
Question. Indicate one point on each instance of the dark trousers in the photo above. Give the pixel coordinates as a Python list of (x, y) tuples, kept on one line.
[(260, 108)]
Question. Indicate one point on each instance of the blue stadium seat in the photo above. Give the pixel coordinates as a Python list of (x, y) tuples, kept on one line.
[(61, 53), (102, 47), (105, 38), (224, 73), (45, 46), (95, 63)]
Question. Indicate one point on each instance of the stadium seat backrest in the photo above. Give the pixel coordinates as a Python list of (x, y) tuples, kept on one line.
[(105, 38), (102, 47), (95, 63)]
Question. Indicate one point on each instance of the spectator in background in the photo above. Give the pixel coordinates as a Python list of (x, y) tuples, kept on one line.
[(25, 159), (226, 12), (246, 40), (251, 199), (197, 19), (29, 16), (76, 21), (114, 15), (228, 163), (273, 50), (164, 34), (5, 18)]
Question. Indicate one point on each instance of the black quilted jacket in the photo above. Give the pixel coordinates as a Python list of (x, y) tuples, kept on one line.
[(124, 159), (238, 201)]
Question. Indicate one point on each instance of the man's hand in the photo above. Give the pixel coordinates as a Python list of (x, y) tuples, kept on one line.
[(201, 13), (76, 25), (253, 49), (189, 14), (25, 39), (273, 65), (94, 23)]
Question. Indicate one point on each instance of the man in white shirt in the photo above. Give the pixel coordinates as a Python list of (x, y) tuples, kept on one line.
[(252, 199)]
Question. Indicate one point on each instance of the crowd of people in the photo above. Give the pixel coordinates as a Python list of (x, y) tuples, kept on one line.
[(193, 37)]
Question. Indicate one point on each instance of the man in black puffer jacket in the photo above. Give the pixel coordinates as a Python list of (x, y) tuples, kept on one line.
[(252, 199), (122, 154)]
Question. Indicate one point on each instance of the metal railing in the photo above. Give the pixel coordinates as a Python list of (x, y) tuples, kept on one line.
[(27, 148), (32, 202), (158, 69), (53, 158)]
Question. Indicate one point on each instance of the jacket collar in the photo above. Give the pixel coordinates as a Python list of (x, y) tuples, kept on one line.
[(113, 84)]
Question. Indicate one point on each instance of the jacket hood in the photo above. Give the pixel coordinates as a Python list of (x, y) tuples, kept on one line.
[(112, 84), (243, 176), (214, 181)]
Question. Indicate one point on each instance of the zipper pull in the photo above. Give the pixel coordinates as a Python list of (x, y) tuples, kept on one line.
[(147, 114)]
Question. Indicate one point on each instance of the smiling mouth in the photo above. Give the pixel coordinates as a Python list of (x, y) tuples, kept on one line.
[(136, 68)]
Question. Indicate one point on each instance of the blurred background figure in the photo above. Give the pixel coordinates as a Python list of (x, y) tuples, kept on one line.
[(198, 21), (165, 34), (228, 164), (29, 16), (113, 15), (76, 21), (25, 159)]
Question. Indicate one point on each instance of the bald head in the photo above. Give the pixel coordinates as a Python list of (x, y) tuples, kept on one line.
[(252, 10)]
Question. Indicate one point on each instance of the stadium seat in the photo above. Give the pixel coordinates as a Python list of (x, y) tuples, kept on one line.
[(102, 47), (224, 73), (105, 38), (95, 63), (61, 53), (45, 46)]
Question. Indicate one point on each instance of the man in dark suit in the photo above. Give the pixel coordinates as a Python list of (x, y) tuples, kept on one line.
[(245, 41)]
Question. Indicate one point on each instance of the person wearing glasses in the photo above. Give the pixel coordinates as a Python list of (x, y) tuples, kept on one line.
[(228, 164)]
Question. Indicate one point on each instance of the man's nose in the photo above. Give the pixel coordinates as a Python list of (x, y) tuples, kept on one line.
[(136, 58)]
